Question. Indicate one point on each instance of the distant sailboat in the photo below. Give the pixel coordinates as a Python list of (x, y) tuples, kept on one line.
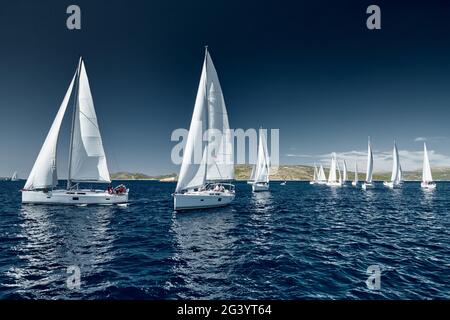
[(427, 178), (345, 174), (368, 183), (396, 170), (261, 182), (87, 160), (14, 177), (315, 177), (321, 179), (355, 182), (206, 183), (332, 179)]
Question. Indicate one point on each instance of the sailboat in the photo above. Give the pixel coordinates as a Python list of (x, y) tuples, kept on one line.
[(14, 177), (345, 173), (261, 181), (332, 179), (355, 182), (395, 176), (87, 160), (252, 175), (321, 179), (206, 183), (368, 183), (427, 178), (315, 177)]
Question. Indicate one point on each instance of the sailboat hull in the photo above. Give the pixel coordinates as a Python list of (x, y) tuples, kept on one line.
[(355, 183), (76, 197), (367, 185), (334, 184), (202, 200), (428, 185), (259, 187), (391, 185)]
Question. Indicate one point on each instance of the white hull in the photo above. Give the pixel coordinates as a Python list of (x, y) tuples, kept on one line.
[(313, 182), (367, 185), (355, 183), (258, 187), (283, 184), (73, 197), (202, 200), (334, 184), (391, 185), (322, 182), (428, 185)]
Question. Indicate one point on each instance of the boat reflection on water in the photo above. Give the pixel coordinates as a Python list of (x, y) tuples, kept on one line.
[(204, 244), (54, 238)]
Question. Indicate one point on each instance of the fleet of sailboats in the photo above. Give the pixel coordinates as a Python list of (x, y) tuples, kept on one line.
[(87, 160), (201, 184), (207, 183)]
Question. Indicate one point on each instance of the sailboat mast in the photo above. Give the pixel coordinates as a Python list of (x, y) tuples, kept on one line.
[(74, 113)]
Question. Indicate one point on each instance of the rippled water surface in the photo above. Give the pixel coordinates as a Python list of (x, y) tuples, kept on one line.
[(294, 242)]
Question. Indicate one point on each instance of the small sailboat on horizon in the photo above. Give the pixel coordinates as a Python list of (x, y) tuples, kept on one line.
[(87, 160), (427, 178), (332, 178), (207, 183), (315, 176), (355, 182), (14, 176), (368, 183), (396, 170), (261, 178)]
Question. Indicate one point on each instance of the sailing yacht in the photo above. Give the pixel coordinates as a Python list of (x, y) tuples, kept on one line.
[(355, 182), (206, 183), (332, 179), (345, 173), (321, 178), (368, 183), (396, 170), (315, 177), (87, 160), (261, 179), (427, 178), (14, 177)]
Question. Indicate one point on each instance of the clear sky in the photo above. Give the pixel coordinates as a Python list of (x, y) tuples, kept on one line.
[(309, 68)]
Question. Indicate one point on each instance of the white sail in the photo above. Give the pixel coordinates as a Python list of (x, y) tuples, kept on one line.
[(253, 173), (339, 172), (400, 173), (332, 173), (426, 173), (14, 176), (356, 171), (395, 164), (220, 162), (322, 176), (44, 173), (193, 171), (345, 178), (88, 162), (316, 175), (369, 163), (210, 117), (262, 165)]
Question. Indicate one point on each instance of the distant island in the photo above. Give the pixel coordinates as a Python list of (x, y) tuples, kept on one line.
[(291, 173)]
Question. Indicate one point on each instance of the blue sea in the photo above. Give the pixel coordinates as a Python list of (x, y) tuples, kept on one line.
[(295, 242)]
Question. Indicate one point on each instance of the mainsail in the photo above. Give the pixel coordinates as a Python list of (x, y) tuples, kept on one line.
[(356, 172), (262, 165), (345, 178), (88, 160), (322, 176), (209, 121), (395, 164), (426, 173), (369, 163)]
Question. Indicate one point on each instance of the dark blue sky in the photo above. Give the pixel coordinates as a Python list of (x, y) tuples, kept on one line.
[(309, 68)]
